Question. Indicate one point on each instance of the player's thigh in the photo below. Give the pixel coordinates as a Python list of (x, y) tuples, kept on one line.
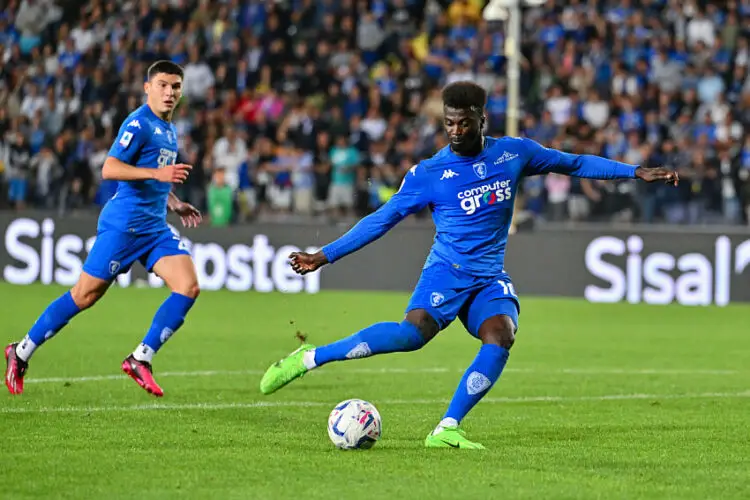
[(178, 272), (492, 314), (113, 253), (440, 293), (170, 260)]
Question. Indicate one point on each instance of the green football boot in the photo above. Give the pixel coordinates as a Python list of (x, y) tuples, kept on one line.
[(451, 437), (284, 371)]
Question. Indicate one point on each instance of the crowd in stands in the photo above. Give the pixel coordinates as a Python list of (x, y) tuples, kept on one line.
[(319, 107)]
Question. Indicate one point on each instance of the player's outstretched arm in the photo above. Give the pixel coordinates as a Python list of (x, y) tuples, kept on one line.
[(117, 170), (410, 198), (543, 160)]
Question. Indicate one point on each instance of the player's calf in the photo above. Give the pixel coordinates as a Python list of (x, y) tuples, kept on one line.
[(379, 338), (88, 290), (409, 335), (178, 273), (497, 334)]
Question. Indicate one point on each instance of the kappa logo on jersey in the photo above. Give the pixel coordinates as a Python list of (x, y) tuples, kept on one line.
[(126, 138), (134, 123), (413, 171), (486, 194), (506, 157), (448, 174), (157, 131), (480, 169)]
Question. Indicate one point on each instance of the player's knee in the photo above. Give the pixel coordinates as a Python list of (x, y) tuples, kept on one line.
[(498, 330), (426, 325), (86, 296), (191, 289)]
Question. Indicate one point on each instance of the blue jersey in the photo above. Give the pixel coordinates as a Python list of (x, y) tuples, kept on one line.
[(472, 199), (140, 207)]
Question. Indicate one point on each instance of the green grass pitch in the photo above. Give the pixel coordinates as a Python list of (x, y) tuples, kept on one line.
[(597, 401)]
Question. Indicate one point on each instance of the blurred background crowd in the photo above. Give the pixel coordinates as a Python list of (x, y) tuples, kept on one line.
[(305, 108)]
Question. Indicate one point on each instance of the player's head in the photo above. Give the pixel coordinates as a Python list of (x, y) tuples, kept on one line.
[(463, 115), (164, 86)]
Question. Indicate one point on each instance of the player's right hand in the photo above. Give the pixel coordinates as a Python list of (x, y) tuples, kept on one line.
[(303, 262), (176, 174)]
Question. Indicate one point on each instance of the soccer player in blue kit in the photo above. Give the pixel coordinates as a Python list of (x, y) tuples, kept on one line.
[(132, 227), (470, 186)]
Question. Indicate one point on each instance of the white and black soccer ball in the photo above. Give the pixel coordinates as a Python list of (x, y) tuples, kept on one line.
[(354, 424)]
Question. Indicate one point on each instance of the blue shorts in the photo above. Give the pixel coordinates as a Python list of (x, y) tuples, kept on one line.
[(446, 293), (114, 252)]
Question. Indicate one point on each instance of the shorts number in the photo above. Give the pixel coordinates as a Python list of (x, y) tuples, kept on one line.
[(507, 288), (176, 236)]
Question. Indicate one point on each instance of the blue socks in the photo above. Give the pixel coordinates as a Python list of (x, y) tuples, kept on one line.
[(52, 320), (169, 317), (167, 320), (476, 382), (376, 339)]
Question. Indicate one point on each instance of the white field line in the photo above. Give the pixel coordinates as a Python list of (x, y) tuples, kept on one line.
[(389, 371), (308, 404)]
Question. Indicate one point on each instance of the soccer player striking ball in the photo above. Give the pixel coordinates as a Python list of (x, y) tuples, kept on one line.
[(132, 226), (470, 187)]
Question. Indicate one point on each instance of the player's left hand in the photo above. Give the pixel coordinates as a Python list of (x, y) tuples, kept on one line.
[(658, 174), (189, 215)]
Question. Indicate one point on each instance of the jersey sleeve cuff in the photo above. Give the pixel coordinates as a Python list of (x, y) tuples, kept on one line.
[(330, 252)]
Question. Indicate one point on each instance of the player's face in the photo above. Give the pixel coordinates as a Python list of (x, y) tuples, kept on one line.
[(164, 92), (463, 127)]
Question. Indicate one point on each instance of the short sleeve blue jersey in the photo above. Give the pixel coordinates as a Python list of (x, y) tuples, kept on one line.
[(471, 199), (140, 207)]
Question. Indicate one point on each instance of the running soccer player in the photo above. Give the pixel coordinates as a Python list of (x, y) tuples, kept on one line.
[(132, 226), (470, 186)]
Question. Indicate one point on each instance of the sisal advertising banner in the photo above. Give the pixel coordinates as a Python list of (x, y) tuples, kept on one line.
[(638, 266)]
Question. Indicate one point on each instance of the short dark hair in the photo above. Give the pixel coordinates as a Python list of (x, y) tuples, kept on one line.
[(164, 66), (465, 95)]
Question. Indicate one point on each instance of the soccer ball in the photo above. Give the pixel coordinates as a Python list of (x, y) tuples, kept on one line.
[(354, 424)]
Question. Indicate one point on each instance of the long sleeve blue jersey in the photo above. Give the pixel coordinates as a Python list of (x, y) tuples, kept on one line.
[(471, 199)]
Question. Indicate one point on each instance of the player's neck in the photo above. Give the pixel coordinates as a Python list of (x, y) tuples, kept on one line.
[(474, 151), (166, 116)]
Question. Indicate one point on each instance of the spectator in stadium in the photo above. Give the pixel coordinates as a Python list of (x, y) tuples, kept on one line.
[(344, 160), (602, 78), (220, 199)]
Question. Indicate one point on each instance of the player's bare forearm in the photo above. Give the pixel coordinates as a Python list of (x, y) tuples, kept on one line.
[(116, 170), (173, 201)]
